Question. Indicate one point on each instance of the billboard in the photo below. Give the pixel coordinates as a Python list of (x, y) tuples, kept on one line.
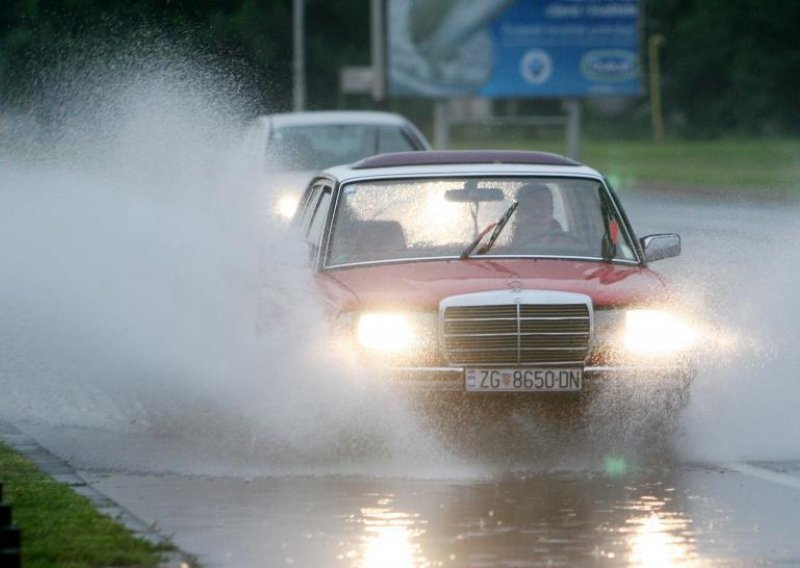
[(512, 48)]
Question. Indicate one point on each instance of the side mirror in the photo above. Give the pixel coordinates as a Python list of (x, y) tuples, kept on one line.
[(660, 246)]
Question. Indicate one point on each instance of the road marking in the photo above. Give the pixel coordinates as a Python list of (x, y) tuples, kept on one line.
[(765, 474)]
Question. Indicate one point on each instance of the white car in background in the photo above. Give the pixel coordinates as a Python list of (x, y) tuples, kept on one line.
[(297, 145)]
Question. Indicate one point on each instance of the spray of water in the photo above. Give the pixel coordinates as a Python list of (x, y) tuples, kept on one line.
[(148, 287), (745, 400), (736, 279)]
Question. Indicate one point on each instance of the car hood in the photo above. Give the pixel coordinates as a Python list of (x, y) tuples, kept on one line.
[(422, 285)]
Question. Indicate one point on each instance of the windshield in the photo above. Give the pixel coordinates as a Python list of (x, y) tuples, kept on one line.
[(316, 147), (429, 218)]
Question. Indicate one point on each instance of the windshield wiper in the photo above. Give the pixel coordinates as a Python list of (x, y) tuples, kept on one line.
[(498, 228)]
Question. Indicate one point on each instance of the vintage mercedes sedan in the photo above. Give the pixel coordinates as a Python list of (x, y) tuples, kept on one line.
[(492, 271)]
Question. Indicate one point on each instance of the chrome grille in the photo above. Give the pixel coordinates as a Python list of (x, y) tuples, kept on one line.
[(517, 334)]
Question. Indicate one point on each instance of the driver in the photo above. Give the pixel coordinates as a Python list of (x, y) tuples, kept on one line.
[(535, 227)]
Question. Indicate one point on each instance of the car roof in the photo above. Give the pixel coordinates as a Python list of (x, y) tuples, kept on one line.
[(462, 162), (333, 117), (463, 157)]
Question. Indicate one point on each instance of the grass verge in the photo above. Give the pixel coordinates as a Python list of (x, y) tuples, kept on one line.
[(62, 529), (768, 166)]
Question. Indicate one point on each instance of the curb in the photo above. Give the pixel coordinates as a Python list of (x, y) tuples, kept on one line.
[(63, 473)]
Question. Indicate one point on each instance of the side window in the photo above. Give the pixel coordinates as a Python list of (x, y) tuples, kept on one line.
[(317, 222), (393, 139), (309, 206)]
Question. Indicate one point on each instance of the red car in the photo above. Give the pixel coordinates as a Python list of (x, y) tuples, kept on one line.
[(493, 271)]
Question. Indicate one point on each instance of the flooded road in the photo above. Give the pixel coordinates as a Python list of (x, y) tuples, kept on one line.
[(732, 514), (689, 514)]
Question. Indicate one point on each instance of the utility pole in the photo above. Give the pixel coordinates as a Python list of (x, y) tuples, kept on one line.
[(299, 65), (378, 41), (653, 44)]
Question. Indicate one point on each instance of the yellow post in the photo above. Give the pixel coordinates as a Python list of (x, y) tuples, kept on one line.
[(653, 44)]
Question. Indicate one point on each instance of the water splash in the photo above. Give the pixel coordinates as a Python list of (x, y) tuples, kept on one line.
[(149, 288), (736, 276)]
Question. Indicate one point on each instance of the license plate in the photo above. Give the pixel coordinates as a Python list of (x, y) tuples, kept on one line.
[(524, 380)]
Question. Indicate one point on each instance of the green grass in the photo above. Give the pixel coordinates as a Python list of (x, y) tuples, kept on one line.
[(61, 529), (770, 166)]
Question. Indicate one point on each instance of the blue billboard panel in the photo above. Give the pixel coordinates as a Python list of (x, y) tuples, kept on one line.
[(513, 48)]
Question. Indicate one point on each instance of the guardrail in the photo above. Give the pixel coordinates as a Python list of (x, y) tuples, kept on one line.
[(10, 537)]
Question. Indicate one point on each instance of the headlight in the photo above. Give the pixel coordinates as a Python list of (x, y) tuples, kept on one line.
[(286, 206), (384, 332), (656, 332)]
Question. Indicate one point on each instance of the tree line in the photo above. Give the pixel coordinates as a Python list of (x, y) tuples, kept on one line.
[(728, 66)]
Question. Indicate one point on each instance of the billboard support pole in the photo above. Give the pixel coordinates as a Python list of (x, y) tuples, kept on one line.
[(298, 67), (441, 124), (573, 110), (378, 40), (653, 44)]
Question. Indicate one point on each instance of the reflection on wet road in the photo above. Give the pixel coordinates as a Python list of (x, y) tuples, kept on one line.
[(684, 515)]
